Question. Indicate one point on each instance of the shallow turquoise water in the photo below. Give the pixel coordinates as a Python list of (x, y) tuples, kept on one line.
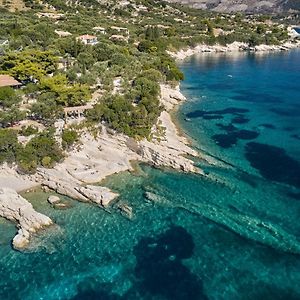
[(233, 235)]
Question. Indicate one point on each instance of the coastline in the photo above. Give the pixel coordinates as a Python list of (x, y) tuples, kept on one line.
[(110, 153), (233, 47)]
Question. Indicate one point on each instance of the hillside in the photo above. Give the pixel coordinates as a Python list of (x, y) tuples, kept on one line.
[(100, 63), (265, 6), (13, 5)]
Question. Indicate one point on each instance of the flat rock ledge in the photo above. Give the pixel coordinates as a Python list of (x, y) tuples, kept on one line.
[(15, 208), (63, 184)]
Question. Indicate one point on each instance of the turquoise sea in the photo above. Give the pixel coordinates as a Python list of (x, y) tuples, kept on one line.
[(234, 234)]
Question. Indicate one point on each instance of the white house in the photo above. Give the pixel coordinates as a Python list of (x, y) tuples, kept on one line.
[(99, 29), (88, 39)]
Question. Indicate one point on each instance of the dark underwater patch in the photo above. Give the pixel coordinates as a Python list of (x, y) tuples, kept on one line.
[(231, 138), (246, 134), (289, 128), (273, 163), (267, 125), (159, 267), (90, 290), (285, 112), (248, 96), (240, 120), (227, 128), (225, 140), (293, 195), (233, 134), (205, 113), (212, 117), (296, 136)]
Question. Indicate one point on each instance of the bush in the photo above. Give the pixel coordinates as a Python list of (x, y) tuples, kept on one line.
[(69, 137), (29, 130)]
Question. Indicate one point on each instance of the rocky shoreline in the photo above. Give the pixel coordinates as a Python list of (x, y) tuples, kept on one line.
[(108, 154), (234, 47), (15, 208)]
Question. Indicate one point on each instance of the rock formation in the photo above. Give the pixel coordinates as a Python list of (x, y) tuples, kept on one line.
[(113, 153), (15, 208), (233, 47)]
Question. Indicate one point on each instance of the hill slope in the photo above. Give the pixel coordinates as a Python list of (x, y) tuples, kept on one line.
[(244, 5)]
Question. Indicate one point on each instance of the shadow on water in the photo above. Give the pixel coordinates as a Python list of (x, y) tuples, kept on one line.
[(273, 163), (159, 272), (215, 113), (159, 267)]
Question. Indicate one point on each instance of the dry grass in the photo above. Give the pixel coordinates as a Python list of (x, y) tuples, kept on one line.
[(13, 5)]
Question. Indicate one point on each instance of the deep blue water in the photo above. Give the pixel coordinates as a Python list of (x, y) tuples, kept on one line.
[(234, 234)]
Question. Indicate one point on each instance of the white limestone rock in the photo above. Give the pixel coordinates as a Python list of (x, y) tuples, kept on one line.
[(53, 199), (15, 208)]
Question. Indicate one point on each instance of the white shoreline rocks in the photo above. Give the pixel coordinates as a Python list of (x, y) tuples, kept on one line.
[(96, 159), (233, 47), (112, 153), (15, 208)]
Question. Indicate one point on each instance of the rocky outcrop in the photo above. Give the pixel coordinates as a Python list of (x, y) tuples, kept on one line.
[(63, 184), (15, 208), (234, 47), (170, 97), (53, 199), (111, 153)]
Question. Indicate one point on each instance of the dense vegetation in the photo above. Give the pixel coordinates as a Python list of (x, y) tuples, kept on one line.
[(126, 66)]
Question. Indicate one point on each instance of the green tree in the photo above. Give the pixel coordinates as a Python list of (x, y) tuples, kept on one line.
[(9, 145), (8, 97), (11, 116), (69, 137), (28, 65)]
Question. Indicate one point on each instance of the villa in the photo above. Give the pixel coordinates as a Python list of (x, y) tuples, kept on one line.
[(88, 39)]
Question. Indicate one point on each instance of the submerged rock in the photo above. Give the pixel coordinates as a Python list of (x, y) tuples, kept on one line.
[(15, 208), (53, 199), (253, 228), (126, 210)]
